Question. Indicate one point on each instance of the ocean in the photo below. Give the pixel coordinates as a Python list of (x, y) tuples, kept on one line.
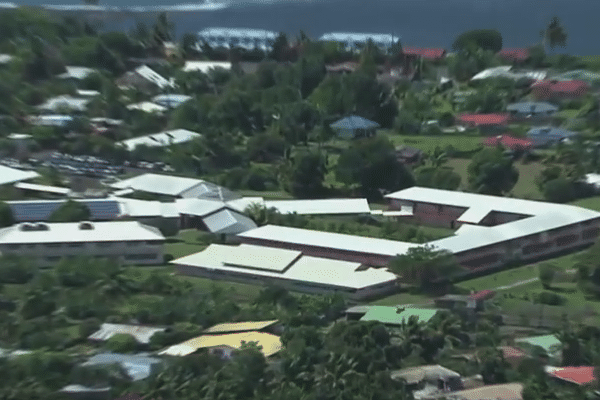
[(429, 23)]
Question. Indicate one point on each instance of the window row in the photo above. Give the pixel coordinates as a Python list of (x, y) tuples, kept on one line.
[(78, 245)]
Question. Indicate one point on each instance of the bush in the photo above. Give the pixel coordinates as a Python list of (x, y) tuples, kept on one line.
[(550, 298), (168, 258), (15, 270), (122, 343)]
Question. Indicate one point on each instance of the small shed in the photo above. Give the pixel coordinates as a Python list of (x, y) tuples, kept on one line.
[(409, 154), (398, 315), (354, 127)]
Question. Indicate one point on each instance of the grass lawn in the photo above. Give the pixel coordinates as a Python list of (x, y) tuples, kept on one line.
[(525, 186), (402, 298), (268, 195), (507, 277), (593, 203), (429, 143)]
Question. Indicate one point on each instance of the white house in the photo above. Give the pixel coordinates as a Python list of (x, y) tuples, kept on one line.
[(128, 241), (248, 39), (206, 66), (161, 139)]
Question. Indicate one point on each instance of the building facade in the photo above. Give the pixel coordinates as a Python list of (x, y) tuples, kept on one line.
[(128, 242)]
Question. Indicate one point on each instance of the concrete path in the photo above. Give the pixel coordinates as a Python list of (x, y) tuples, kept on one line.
[(525, 282)]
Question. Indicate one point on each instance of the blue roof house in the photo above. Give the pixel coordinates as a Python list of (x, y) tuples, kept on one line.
[(548, 135), (354, 127), (138, 366), (531, 110)]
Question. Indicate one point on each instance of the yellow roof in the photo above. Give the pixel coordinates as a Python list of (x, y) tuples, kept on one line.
[(270, 343), (240, 326)]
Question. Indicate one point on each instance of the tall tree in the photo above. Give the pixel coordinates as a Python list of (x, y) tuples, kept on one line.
[(6, 216), (71, 211), (425, 265), (554, 35), (307, 175), (491, 172)]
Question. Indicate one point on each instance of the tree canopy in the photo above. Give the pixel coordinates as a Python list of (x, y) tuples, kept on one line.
[(71, 211), (492, 172), (486, 39)]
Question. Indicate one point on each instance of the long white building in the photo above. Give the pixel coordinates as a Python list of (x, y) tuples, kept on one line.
[(288, 268), (248, 39), (127, 241), (355, 41)]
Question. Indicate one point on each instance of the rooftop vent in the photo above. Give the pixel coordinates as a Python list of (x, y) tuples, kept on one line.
[(41, 227), (86, 226), (26, 227)]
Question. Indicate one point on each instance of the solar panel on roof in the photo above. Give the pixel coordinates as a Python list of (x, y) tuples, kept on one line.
[(41, 211)]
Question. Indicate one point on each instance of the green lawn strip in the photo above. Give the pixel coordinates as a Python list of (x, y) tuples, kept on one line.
[(593, 203), (267, 195), (511, 276), (525, 186), (178, 250), (402, 298), (429, 143)]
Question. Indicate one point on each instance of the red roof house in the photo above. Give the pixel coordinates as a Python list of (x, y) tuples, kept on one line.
[(428, 54), (577, 375), (514, 55), (509, 142), (479, 120), (550, 89)]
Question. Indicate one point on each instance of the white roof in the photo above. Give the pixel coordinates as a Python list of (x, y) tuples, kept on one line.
[(326, 206), (198, 207), (42, 188), (230, 33), (142, 334), (205, 66), (593, 179), (159, 184), (305, 269), (337, 241), (67, 102), (146, 106), (171, 100), (76, 72), (10, 175), (88, 93), (259, 257), (70, 232), (507, 72), (161, 139), (154, 77), (19, 136), (146, 208), (228, 222), (541, 216), (5, 58), (351, 37), (244, 202)]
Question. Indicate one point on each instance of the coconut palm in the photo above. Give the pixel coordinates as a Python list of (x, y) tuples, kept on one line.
[(554, 35)]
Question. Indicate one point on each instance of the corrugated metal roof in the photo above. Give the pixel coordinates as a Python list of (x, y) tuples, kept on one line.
[(76, 72), (322, 206), (532, 107), (41, 210), (270, 344), (327, 272), (354, 122), (235, 33), (331, 240), (153, 76), (549, 343), (259, 257), (421, 373), (161, 139), (198, 207), (240, 326), (159, 184), (171, 100), (390, 316), (228, 222), (138, 366), (69, 232), (506, 391), (43, 188), (147, 106), (10, 175), (205, 66), (354, 37), (65, 102), (142, 334)]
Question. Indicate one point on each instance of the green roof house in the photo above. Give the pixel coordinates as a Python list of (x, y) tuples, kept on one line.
[(390, 316), (549, 343)]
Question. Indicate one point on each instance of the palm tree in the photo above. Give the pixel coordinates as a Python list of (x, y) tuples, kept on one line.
[(554, 34)]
